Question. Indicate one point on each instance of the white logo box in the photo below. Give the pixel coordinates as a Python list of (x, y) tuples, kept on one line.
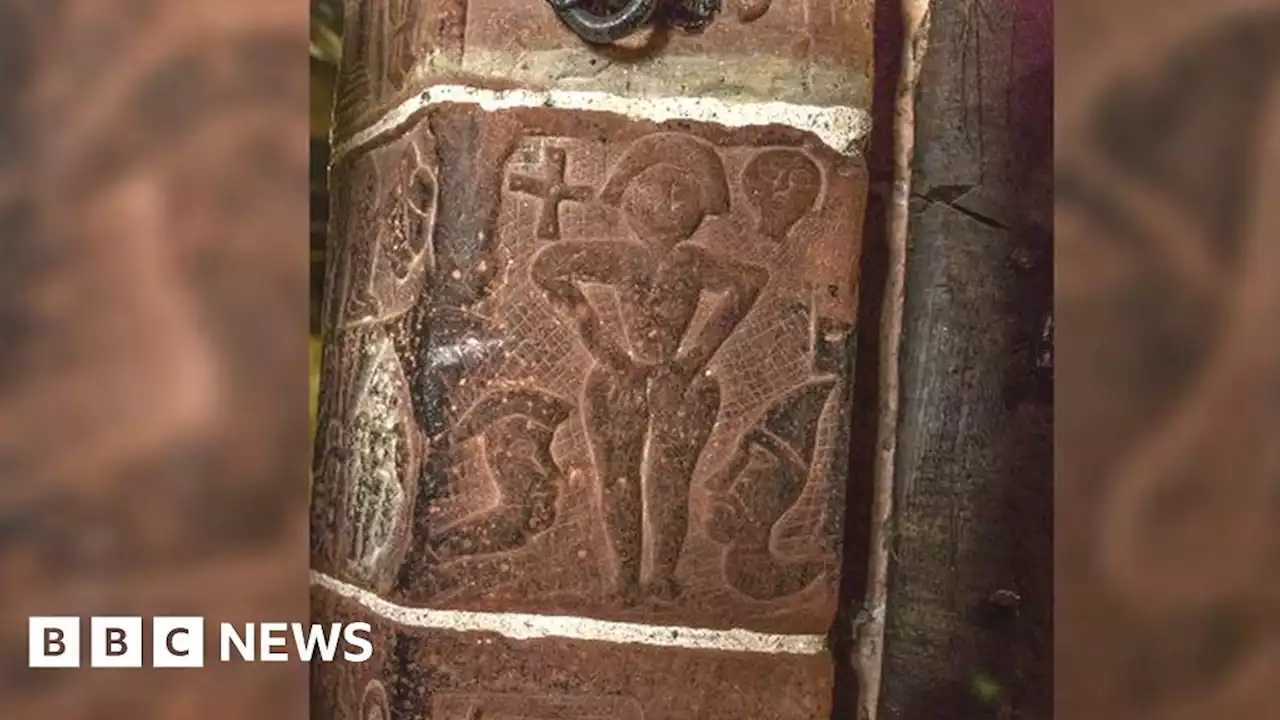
[(115, 642)]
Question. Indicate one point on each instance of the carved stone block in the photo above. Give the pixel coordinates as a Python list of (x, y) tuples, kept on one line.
[(814, 52), (591, 366), (585, 394)]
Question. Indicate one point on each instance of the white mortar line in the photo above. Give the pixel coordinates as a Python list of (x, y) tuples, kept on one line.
[(839, 127), (521, 626)]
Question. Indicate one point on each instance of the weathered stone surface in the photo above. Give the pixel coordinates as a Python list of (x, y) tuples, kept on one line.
[(582, 364), (438, 675), (802, 51), (1166, 148), (624, 391)]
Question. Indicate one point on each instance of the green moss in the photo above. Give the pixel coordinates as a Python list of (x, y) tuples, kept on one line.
[(986, 688)]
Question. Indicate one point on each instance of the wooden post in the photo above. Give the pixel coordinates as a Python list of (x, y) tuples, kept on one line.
[(968, 622)]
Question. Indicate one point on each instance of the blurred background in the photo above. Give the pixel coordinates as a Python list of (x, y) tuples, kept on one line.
[(153, 314), (1167, 128), (326, 51)]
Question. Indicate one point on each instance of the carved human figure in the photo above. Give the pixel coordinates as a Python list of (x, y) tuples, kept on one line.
[(515, 429), (760, 483), (648, 404), (781, 185)]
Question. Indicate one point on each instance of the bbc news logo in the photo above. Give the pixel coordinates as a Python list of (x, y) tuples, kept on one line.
[(178, 642)]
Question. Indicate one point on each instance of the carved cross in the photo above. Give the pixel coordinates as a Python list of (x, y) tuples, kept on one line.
[(552, 189)]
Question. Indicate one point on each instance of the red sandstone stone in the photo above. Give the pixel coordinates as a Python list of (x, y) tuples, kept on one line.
[(579, 364)]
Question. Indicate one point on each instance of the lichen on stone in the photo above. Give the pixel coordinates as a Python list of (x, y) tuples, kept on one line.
[(376, 493)]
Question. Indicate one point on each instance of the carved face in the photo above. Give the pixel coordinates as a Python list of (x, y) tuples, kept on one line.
[(781, 185), (664, 205)]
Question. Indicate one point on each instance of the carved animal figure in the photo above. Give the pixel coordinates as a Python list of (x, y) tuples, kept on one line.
[(515, 429), (762, 481)]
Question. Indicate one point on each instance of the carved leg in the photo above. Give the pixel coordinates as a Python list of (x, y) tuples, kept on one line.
[(616, 413), (684, 414)]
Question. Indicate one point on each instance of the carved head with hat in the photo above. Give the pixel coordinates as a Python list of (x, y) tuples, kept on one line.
[(665, 185)]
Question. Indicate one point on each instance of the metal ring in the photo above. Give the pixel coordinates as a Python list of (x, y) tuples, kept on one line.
[(604, 29)]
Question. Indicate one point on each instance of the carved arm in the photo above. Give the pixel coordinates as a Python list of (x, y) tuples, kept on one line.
[(742, 283), (559, 268)]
